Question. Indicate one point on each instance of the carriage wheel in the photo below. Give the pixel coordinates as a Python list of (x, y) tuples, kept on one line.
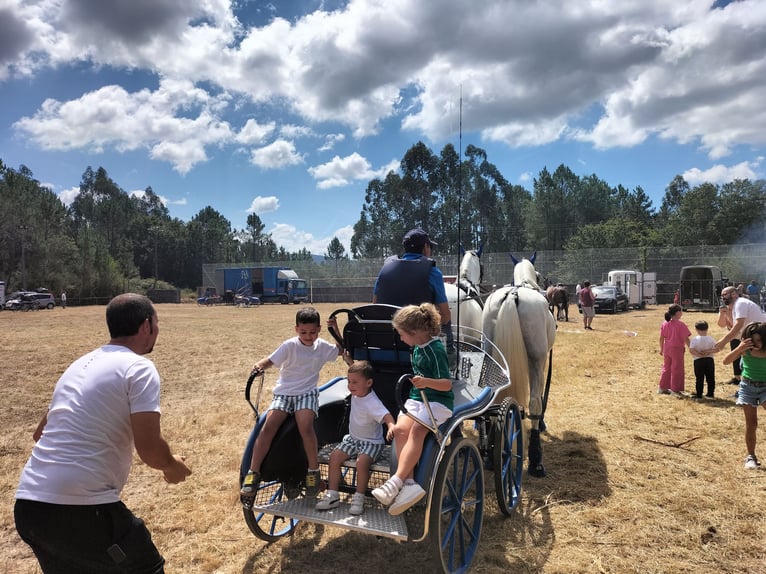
[(269, 527), (508, 456), (457, 508)]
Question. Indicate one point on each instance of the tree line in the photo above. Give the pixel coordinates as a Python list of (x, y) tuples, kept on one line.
[(108, 238)]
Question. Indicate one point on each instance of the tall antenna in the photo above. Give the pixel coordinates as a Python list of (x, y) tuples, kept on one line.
[(459, 202)]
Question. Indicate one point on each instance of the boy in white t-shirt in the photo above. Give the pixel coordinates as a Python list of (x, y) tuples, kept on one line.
[(702, 348), (300, 359), (365, 439)]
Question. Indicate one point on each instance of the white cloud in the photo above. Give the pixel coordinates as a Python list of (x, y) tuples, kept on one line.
[(723, 174), (112, 116), (290, 131), (342, 171), (262, 205), (254, 133), (331, 140), (526, 177), (278, 154), (67, 196), (293, 239), (611, 74)]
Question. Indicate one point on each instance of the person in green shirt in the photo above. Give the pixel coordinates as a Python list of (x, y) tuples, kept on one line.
[(752, 387), (419, 327)]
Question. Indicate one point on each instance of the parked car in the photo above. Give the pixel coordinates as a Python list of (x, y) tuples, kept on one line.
[(21, 300), (609, 299)]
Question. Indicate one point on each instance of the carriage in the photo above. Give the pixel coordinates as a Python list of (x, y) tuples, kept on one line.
[(485, 432)]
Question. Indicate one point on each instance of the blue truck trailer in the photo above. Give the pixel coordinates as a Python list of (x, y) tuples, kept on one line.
[(269, 284)]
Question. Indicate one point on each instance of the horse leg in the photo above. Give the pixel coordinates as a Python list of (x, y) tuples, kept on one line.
[(536, 467)]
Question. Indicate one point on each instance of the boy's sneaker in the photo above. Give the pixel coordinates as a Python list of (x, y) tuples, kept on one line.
[(751, 463), (328, 501), (249, 488), (408, 496), (357, 504), (387, 493), (312, 483)]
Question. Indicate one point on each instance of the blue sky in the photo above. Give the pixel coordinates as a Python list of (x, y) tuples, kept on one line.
[(288, 109)]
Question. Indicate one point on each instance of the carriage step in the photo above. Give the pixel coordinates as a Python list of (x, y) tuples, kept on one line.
[(376, 520)]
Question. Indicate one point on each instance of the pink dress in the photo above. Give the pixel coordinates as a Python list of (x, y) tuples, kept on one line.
[(675, 333)]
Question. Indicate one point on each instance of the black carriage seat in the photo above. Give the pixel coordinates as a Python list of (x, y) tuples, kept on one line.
[(370, 336)]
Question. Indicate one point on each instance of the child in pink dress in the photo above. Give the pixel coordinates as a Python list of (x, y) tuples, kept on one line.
[(674, 338)]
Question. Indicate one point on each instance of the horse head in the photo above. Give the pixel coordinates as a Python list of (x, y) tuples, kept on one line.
[(524, 271), (471, 267)]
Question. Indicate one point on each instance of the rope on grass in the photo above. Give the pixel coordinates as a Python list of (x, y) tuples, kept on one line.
[(671, 444)]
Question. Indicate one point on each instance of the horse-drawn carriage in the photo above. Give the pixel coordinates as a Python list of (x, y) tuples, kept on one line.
[(508, 338), (485, 431)]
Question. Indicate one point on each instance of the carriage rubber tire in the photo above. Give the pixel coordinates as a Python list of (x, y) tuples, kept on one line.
[(270, 527), (508, 456), (457, 506)]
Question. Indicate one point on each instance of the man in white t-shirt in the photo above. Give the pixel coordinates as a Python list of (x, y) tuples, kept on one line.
[(68, 506), (735, 313)]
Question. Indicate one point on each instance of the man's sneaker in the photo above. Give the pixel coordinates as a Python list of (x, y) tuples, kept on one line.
[(357, 504), (328, 501), (387, 493), (249, 488), (408, 495), (312, 483), (751, 463)]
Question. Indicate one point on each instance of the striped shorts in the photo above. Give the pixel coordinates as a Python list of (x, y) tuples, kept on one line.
[(353, 447), (290, 404)]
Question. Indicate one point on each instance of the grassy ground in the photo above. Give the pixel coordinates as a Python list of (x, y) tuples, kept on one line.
[(636, 482)]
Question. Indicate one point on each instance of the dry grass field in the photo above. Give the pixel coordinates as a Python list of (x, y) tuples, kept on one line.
[(636, 482)]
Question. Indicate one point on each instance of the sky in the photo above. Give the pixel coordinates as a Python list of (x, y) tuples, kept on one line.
[(288, 109)]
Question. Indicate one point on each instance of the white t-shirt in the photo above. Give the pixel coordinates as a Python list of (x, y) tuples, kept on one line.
[(367, 414), (86, 449), (744, 307), (701, 343), (299, 365)]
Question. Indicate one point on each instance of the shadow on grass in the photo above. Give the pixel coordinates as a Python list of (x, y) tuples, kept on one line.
[(521, 542)]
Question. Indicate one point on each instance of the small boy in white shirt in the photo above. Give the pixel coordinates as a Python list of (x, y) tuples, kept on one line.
[(365, 440), (702, 348)]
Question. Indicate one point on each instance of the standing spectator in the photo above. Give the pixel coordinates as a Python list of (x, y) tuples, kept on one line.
[(753, 292), (734, 315), (702, 348), (674, 338), (763, 298), (587, 299), (68, 506), (63, 299), (413, 279), (751, 352)]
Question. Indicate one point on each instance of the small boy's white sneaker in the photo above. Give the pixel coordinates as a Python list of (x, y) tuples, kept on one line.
[(357, 504), (408, 496), (387, 493), (328, 501)]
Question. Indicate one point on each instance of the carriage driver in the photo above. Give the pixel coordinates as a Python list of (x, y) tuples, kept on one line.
[(413, 279)]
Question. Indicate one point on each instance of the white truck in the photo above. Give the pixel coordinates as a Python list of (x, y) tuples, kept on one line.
[(640, 287)]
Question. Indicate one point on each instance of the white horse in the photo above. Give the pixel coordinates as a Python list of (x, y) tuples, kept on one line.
[(533, 339), (467, 292)]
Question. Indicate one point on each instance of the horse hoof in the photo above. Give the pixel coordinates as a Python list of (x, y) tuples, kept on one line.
[(537, 471)]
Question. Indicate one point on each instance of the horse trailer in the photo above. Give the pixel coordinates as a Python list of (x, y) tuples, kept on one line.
[(701, 287), (640, 287)]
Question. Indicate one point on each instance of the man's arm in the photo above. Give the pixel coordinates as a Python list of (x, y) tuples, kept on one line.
[(40, 426), (154, 450), (732, 334)]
